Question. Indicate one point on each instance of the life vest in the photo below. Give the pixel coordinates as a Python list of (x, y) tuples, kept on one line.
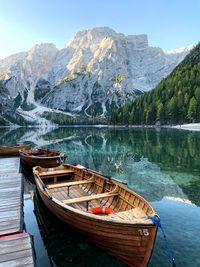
[(102, 210)]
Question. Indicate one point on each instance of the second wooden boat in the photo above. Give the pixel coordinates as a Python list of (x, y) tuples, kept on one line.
[(42, 157), (106, 212), (12, 150)]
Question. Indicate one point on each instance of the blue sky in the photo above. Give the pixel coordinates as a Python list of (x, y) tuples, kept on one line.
[(168, 23)]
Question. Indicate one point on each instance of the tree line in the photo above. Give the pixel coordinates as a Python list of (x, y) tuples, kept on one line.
[(63, 119), (176, 99)]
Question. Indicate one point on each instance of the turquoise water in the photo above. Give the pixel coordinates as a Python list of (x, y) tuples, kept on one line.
[(163, 166)]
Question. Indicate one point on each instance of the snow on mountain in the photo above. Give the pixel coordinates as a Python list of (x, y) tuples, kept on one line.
[(97, 70), (180, 50)]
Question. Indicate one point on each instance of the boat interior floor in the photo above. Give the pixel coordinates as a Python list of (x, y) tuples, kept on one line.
[(62, 194)]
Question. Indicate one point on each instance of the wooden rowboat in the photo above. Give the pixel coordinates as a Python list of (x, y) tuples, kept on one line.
[(73, 193), (12, 150), (41, 157), (63, 243)]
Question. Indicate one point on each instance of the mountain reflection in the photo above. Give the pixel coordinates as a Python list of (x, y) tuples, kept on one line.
[(155, 164)]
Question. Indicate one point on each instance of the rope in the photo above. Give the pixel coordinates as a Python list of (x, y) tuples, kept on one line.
[(62, 158), (156, 221)]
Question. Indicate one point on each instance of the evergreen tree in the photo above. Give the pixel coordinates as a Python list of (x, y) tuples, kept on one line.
[(192, 110), (160, 113), (176, 99)]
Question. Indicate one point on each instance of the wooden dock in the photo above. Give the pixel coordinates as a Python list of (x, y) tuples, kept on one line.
[(15, 246), (16, 250), (9, 165), (11, 198)]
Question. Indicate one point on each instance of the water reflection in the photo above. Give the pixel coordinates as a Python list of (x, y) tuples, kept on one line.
[(162, 166), (155, 164)]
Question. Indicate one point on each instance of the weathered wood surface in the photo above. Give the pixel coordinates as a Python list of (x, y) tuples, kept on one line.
[(52, 173), (16, 250), (11, 216), (12, 150), (9, 165), (89, 198), (82, 182)]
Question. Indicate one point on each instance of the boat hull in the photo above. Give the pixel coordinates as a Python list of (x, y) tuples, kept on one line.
[(46, 161), (129, 243)]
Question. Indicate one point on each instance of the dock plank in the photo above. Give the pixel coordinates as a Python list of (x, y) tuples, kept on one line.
[(15, 247), (16, 250), (9, 165), (18, 262), (11, 200)]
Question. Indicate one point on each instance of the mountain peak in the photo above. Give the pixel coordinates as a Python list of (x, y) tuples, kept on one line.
[(97, 34), (99, 31), (42, 48), (42, 53)]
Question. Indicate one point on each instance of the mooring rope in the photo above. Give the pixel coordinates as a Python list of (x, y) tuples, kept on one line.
[(156, 221), (62, 158)]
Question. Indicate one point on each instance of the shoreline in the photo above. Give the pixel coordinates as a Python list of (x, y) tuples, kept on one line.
[(189, 126)]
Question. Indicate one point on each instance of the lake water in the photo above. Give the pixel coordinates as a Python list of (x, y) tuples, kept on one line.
[(163, 166)]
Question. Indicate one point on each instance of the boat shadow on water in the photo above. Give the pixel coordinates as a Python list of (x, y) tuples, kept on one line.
[(65, 247)]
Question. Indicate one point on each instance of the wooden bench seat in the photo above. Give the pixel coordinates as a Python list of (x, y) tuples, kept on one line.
[(67, 184), (56, 173), (88, 198)]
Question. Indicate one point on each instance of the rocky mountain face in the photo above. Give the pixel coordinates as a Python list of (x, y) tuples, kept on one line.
[(96, 71)]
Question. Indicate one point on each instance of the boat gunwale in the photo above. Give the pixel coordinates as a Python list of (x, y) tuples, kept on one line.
[(41, 158), (57, 154)]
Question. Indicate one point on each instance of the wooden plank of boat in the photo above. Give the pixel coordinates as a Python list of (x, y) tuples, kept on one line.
[(52, 173), (88, 198), (68, 184), (128, 233)]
